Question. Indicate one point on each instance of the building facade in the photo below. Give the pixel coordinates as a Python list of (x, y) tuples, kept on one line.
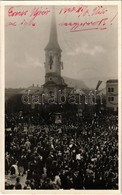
[(112, 94)]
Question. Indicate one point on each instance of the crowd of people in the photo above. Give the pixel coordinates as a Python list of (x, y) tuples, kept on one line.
[(76, 154)]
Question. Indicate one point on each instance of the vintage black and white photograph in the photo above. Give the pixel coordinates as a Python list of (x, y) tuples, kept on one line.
[(61, 96)]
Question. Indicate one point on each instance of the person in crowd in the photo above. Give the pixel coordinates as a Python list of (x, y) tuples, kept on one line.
[(14, 170), (18, 185)]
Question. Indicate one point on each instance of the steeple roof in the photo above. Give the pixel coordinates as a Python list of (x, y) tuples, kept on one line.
[(53, 39)]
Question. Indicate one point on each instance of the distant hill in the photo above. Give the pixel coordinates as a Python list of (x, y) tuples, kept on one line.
[(77, 84)]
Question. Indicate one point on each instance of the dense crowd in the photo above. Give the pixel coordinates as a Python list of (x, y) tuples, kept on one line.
[(77, 154)]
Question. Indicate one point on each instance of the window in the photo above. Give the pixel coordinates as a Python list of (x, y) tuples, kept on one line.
[(110, 99), (50, 78), (112, 89)]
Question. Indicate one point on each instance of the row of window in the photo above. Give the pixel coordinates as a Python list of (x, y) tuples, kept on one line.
[(110, 99), (110, 89)]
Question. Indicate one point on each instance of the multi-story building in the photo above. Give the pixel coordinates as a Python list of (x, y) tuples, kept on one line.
[(112, 94)]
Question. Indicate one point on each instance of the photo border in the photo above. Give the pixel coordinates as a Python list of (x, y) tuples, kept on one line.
[(2, 96)]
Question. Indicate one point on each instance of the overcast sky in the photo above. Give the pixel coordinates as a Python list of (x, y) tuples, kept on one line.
[(87, 55)]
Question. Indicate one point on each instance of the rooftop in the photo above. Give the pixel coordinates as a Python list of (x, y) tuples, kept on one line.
[(112, 81)]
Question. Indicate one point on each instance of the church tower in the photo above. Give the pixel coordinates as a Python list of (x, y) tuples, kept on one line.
[(53, 64)]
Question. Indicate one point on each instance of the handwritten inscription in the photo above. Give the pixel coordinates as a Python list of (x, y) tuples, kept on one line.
[(87, 18), (90, 25), (28, 16), (84, 17), (84, 10), (33, 13)]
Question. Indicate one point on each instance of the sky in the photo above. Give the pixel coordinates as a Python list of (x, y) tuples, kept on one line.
[(87, 55)]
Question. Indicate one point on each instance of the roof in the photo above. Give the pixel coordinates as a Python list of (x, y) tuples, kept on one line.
[(32, 90), (49, 83), (60, 83), (112, 81)]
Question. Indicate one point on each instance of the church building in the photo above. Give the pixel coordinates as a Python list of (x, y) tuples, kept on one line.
[(54, 82)]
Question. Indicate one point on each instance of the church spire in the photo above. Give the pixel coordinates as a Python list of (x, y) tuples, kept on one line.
[(53, 39)]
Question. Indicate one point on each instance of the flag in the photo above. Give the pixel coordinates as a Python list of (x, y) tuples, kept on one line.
[(98, 84)]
